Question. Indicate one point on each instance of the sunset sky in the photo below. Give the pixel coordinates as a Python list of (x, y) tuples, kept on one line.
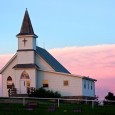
[(78, 33)]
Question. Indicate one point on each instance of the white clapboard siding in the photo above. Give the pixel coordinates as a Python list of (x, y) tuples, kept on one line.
[(8, 72), (55, 82), (43, 64)]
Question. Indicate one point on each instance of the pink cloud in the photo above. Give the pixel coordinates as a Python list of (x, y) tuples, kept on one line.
[(4, 59), (97, 62)]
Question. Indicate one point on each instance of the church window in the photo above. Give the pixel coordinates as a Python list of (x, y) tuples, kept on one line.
[(65, 83), (27, 83), (45, 83), (91, 86), (84, 83), (9, 82), (88, 84), (24, 75)]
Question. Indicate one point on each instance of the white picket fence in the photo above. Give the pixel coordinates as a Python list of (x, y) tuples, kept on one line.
[(24, 100)]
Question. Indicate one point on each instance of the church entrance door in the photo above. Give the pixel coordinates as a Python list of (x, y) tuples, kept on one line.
[(23, 87), (24, 82)]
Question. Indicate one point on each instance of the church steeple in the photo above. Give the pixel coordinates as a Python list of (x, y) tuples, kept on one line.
[(26, 28), (26, 37)]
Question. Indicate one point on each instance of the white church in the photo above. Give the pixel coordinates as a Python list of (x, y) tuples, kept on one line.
[(33, 66)]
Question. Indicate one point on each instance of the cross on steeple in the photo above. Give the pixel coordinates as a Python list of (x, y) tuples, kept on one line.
[(24, 41)]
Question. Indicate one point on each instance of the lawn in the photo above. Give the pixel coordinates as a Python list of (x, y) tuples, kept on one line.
[(52, 109)]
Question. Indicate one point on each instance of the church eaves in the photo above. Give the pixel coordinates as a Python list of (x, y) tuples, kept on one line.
[(19, 66), (26, 28)]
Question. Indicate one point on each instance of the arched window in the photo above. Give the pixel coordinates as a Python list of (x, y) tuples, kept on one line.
[(24, 75), (9, 82)]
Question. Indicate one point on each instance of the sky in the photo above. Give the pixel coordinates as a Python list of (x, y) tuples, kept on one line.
[(78, 33)]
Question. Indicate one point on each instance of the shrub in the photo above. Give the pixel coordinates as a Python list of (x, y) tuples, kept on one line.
[(41, 92)]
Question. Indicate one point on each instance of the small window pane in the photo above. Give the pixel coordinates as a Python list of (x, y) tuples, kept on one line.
[(91, 86), (66, 83), (45, 83), (88, 84), (84, 83), (28, 83)]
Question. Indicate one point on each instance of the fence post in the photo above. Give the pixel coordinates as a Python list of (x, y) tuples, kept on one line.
[(86, 101), (24, 102), (58, 103), (92, 104)]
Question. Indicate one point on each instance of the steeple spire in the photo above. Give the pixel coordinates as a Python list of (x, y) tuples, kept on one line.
[(26, 28)]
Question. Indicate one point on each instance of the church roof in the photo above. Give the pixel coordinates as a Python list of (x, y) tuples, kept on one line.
[(88, 78), (18, 66), (26, 28), (51, 60)]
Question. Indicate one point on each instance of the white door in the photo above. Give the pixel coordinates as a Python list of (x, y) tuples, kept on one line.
[(23, 87)]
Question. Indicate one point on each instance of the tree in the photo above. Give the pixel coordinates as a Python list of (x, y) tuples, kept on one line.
[(110, 96)]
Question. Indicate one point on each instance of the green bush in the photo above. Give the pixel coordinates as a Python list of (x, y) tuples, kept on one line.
[(41, 92)]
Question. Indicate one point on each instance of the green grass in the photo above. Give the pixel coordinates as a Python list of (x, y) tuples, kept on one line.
[(64, 109)]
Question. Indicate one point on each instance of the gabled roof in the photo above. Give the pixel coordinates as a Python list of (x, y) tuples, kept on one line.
[(26, 28), (51, 60)]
